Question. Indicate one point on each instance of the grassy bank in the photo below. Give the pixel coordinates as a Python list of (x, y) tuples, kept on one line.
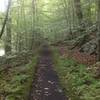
[(15, 82), (77, 82)]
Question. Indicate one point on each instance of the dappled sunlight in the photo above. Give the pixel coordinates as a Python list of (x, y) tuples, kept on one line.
[(46, 1)]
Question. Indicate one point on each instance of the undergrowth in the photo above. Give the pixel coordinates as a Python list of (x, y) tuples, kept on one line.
[(15, 83), (77, 82)]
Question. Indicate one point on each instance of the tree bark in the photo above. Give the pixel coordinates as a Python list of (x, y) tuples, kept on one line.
[(8, 37), (78, 10), (98, 34), (5, 20)]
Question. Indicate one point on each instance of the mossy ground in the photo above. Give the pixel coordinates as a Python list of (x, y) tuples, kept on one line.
[(77, 82), (15, 83)]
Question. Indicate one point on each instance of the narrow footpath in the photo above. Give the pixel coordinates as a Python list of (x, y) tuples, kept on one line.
[(46, 85)]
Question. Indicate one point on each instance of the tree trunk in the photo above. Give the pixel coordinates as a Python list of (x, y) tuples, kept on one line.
[(6, 18), (8, 37), (78, 10), (98, 34)]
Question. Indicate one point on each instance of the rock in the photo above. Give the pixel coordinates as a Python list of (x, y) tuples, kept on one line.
[(46, 88), (90, 47)]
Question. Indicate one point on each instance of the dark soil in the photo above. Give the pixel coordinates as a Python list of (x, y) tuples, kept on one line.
[(46, 85)]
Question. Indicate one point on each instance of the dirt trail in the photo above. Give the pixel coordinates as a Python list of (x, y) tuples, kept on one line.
[(46, 85)]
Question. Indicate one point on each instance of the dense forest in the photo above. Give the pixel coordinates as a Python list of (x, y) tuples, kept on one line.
[(50, 50)]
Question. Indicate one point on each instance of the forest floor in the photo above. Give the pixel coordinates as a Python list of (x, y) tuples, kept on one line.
[(57, 74), (16, 76), (78, 73), (75, 54), (46, 86)]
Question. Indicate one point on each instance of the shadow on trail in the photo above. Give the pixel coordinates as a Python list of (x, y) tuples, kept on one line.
[(46, 86)]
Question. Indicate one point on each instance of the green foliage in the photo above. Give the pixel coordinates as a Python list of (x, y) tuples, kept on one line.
[(77, 81), (56, 20), (15, 84)]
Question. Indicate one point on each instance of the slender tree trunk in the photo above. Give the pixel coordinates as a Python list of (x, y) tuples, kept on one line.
[(6, 18), (98, 34), (78, 10), (8, 37), (89, 13)]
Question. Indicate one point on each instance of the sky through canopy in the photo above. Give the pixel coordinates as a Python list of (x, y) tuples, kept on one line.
[(3, 5)]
